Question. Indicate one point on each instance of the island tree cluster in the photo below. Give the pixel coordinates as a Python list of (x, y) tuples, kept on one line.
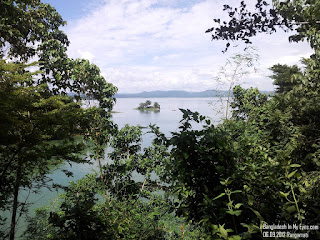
[(148, 106)]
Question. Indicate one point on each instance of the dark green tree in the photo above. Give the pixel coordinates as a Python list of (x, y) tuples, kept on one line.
[(148, 102), (284, 76), (156, 105), (38, 118), (36, 133), (245, 101), (142, 106)]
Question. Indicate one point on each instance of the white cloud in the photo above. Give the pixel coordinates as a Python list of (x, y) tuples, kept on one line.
[(86, 55), (143, 45)]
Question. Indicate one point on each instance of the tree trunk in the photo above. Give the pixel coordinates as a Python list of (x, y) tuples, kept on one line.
[(15, 200)]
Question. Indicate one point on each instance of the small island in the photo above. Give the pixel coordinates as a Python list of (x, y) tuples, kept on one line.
[(148, 107)]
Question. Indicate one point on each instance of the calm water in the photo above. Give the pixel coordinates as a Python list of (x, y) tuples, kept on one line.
[(169, 116), (167, 119)]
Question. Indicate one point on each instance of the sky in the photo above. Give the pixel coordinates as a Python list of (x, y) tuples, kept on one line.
[(147, 45)]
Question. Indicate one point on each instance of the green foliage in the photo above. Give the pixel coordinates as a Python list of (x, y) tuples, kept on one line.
[(198, 159), (85, 214), (26, 23), (31, 28), (283, 76), (245, 101), (38, 119), (124, 161), (225, 181), (276, 139), (156, 105), (112, 205), (30, 119), (228, 179), (37, 131), (250, 170)]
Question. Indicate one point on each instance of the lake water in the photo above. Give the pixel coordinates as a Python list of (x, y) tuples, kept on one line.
[(167, 119), (169, 116)]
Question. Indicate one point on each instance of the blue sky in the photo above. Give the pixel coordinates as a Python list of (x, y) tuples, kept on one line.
[(73, 9), (145, 45)]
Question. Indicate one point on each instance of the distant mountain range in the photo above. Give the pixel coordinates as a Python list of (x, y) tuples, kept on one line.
[(176, 94), (173, 94)]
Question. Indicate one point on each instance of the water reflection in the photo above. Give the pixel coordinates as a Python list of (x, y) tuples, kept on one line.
[(149, 111)]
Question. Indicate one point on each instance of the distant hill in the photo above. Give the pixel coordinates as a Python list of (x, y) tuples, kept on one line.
[(173, 94), (177, 94)]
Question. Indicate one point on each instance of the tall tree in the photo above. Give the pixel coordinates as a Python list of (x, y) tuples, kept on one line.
[(30, 119), (38, 118), (283, 76)]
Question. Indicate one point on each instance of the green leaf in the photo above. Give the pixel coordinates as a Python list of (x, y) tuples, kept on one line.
[(295, 165), (220, 195), (236, 213), (257, 214), (223, 232), (185, 155), (250, 200), (251, 228), (235, 237), (226, 182), (291, 174), (237, 191), (290, 208), (303, 190), (282, 194), (238, 205)]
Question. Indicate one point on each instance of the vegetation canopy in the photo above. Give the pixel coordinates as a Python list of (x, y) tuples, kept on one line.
[(258, 167), (38, 119)]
